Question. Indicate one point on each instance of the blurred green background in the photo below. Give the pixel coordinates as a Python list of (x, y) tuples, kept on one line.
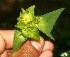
[(10, 9)]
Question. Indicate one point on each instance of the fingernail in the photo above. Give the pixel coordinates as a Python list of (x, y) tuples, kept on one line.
[(38, 44)]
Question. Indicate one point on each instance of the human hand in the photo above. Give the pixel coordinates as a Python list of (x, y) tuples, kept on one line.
[(41, 48)]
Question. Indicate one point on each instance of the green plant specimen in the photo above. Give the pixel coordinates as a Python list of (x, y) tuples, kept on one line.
[(28, 25)]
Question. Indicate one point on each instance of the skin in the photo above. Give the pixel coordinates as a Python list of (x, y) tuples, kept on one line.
[(42, 48)]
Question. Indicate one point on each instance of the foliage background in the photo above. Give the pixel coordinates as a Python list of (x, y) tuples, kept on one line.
[(9, 11)]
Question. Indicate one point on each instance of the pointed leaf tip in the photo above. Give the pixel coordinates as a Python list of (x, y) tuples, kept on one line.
[(31, 9)]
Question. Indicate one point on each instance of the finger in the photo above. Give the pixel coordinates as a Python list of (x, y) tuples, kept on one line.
[(2, 45), (4, 54), (46, 53), (29, 49), (48, 46), (8, 36)]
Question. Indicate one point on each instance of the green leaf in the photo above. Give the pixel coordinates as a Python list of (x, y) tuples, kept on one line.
[(48, 20), (33, 34), (18, 40)]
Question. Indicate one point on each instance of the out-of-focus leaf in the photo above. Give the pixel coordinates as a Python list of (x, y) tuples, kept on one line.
[(48, 20), (65, 54)]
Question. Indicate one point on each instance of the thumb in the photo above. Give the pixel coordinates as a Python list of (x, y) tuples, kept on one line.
[(30, 49)]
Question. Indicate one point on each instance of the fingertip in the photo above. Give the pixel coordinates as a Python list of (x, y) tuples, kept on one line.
[(2, 45), (4, 54), (48, 46), (46, 53), (8, 36)]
